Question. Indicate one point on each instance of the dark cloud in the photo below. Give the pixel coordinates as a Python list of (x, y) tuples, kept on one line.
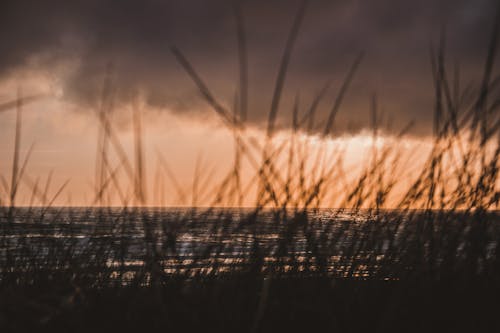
[(135, 35)]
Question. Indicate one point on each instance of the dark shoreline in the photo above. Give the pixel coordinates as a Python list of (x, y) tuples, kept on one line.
[(232, 305)]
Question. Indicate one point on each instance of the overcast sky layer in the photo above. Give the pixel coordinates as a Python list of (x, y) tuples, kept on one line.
[(73, 41)]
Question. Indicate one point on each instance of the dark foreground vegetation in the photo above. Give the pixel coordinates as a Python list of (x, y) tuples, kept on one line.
[(233, 304), (227, 270)]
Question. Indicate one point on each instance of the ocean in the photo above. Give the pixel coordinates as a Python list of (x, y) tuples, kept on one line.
[(118, 244)]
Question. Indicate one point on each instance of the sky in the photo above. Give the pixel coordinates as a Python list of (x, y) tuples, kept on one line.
[(65, 48)]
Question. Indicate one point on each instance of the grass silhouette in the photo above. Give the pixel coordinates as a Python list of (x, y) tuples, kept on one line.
[(429, 262)]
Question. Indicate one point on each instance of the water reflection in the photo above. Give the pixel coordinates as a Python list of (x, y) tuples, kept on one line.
[(124, 243)]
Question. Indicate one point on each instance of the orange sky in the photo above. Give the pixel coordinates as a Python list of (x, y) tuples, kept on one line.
[(65, 142), (272, 58)]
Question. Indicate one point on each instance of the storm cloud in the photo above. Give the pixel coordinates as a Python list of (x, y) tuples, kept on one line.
[(136, 35)]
